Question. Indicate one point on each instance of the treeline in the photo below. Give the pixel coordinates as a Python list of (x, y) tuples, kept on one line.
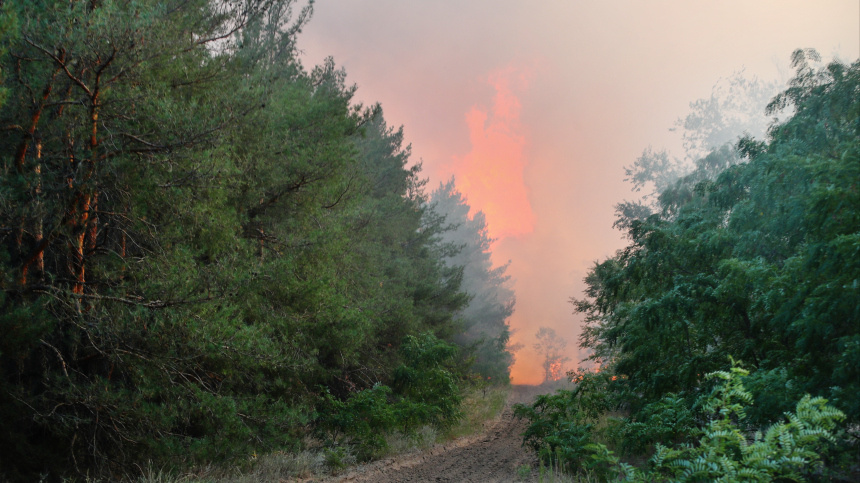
[(208, 251), (754, 257), (491, 299)]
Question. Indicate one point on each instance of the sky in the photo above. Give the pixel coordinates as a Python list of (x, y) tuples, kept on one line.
[(536, 108)]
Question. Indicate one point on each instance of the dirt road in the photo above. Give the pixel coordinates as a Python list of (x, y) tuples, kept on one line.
[(495, 455)]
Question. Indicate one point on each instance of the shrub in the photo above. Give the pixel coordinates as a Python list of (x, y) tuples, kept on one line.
[(667, 421), (728, 450), (362, 420), (424, 392), (788, 449)]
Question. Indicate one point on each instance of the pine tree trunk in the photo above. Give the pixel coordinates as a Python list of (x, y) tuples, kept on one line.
[(20, 158), (86, 223), (38, 256), (78, 260)]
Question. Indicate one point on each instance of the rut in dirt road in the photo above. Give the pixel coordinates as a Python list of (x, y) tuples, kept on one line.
[(496, 455)]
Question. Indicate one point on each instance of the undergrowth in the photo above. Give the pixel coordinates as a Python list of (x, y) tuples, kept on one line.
[(479, 405), (572, 435)]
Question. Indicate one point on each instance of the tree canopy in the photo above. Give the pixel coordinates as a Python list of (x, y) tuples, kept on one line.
[(753, 256), (206, 250), (758, 262)]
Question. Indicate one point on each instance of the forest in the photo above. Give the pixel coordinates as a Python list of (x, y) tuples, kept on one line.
[(726, 335), (209, 251)]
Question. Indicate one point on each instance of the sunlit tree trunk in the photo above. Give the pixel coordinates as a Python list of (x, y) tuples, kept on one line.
[(81, 216), (86, 220), (38, 257), (31, 135)]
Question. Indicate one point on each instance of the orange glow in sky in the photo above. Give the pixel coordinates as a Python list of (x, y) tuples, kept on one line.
[(537, 107), (491, 174)]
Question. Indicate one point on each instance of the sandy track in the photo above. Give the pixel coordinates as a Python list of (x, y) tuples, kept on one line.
[(495, 455)]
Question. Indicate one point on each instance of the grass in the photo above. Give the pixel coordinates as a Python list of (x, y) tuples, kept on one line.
[(276, 466), (554, 474), (399, 443), (479, 406)]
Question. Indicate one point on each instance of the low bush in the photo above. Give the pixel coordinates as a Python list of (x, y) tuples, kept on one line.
[(424, 392), (725, 447)]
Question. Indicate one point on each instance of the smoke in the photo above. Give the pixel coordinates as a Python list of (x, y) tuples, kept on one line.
[(541, 151), (492, 172)]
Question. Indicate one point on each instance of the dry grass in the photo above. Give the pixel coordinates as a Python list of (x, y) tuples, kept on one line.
[(479, 406), (554, 474), (399, 443)]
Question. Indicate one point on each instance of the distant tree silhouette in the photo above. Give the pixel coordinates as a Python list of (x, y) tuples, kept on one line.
[(551, 346)]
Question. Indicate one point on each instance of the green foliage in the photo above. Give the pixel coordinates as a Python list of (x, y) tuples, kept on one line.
[(364, 419), (9, 30), (336, 459), (428, 378), (557, 430), (561, 426), (426, 393), (756, 260), (198, 238), (562, 434), (667, 421), (789, 450)]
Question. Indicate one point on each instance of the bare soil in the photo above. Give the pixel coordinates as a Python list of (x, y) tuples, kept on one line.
[(494, 455)]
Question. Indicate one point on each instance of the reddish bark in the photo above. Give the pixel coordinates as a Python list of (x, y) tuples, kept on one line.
[(93, 225), (35, 257), (20, 157), (37, 230), (84, 217), (21, 153), (78, 260), (38, 255)]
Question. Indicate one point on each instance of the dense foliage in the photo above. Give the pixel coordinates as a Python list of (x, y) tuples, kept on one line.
[(756, 260), (562, 431), (206, 251)]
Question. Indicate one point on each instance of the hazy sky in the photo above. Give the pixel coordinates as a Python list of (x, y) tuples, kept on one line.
[(537, 106)]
